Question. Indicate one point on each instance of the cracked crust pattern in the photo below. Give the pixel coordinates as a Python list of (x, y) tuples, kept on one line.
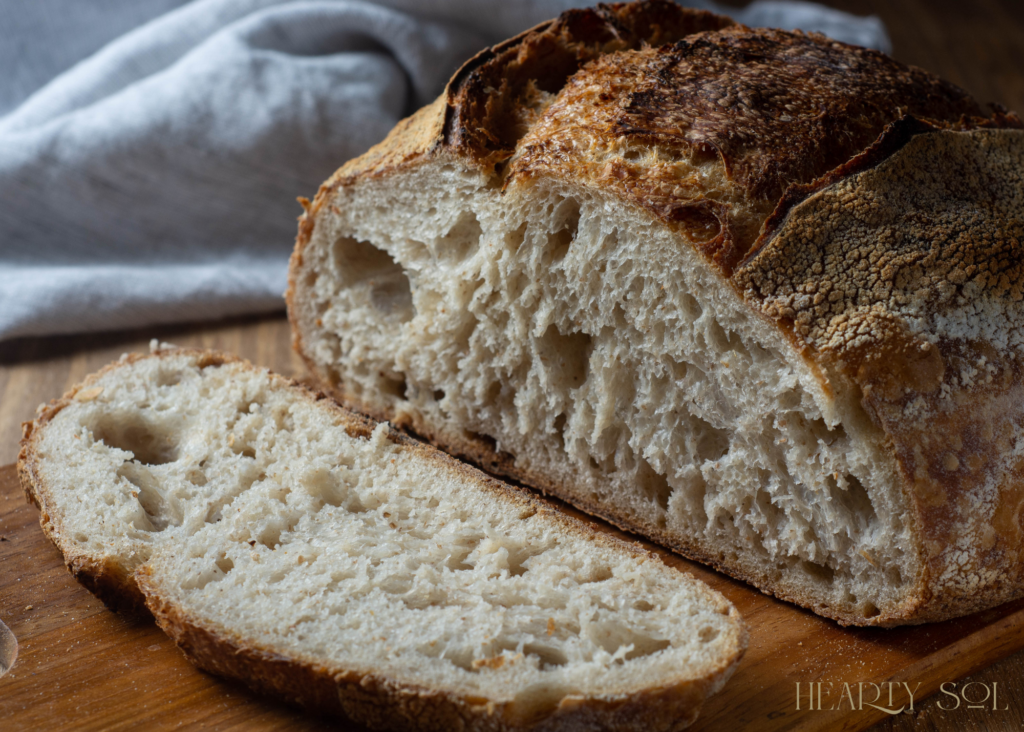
[(906, 279), (708, 133)]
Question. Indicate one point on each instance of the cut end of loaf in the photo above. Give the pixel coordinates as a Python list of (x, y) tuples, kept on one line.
[(268, 527), (563, 303), (616, 367)]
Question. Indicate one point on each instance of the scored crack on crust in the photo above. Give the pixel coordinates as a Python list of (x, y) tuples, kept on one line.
[(791, 126)]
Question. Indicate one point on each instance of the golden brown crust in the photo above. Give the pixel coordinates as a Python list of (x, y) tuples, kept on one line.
[(487, 96), (759, 110), (904, 278), (489, 102)]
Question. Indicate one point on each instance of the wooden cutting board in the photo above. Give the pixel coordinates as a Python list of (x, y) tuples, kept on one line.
[(81, 666)]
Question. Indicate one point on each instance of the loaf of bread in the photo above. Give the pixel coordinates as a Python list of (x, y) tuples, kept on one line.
[(756, 295), (291, 544)]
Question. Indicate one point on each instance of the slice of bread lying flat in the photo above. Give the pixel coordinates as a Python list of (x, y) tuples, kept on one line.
[(753, 294), (313, 554)]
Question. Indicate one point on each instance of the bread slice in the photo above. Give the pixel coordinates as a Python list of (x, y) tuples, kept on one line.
[(313, 554), (752, 294)]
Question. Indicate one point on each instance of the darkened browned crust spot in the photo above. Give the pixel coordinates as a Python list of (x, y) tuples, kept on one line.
[(491, 101), (772, 108), (906, 279), (489, 95)]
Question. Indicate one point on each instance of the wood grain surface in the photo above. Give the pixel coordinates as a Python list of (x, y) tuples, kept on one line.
[(142, 681)]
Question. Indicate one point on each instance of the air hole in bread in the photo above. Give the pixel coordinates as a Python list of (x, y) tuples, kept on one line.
[(160, 511), (224, 564), (893, 577), (763, 500), (270, 537), (461, 241), (823, 433), (568, 217), (643, 606), (327, 488), (820, 573), (653, 484), (242, 445), (598, 574), (210, 573), (356, 261), (215, 512), (564, 358), (168, 377), (711, 443), (373, 276), (463, 657), (869, 609), (704, 155), (707, 634), (396, 388), (392, 296), (691, 309), (548, 656), (456, 560), (431, 597), (603, 463), (81, 538), (558, 427), (515, 238), (149, 442), (396, 585), (615, 638), (856, 500), (519, 556), (723, 340)]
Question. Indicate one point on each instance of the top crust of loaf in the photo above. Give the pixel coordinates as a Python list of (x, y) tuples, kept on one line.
[(491, 101), (740, 140)]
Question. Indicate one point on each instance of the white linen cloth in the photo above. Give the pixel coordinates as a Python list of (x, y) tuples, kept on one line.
[(151, 150)]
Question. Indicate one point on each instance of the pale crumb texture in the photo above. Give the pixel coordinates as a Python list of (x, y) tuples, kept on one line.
[(619, 369), (281, 522)]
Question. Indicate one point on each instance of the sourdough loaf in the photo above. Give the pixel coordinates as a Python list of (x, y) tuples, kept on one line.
[(753, 294), (291, 544)]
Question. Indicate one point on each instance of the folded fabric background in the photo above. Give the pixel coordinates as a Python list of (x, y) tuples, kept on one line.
[(151, 150)]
